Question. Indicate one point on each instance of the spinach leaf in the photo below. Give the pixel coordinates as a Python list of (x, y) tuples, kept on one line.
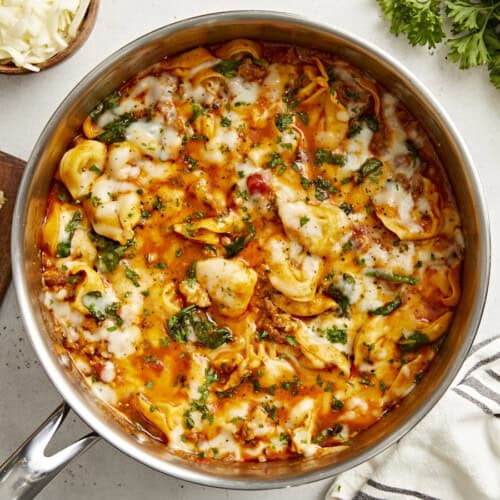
[(115, 131)]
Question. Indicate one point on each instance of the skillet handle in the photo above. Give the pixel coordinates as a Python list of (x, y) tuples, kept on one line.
[(28, 470)]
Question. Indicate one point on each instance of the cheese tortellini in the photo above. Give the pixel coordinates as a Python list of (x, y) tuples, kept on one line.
[(229, 283), (81, 166), (251, 252)]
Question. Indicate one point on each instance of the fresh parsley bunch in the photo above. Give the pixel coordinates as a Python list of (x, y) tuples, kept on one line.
[(475, 29)]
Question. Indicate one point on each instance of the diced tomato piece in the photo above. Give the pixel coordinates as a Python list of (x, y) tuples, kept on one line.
[(256, 184), (155, 364)]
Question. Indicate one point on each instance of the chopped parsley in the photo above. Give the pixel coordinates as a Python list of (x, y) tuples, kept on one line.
[(109, 252), (96, 170), (262, 335), (323, 187), (283, 121), (227, 67), (190, 322), (63, 248), (237, 245), (342, 300), (275, 160), (115, 131), (336, 335), (347, 246), (325, 156), (271, 410), (110, 102), (304, 220), (225, 121), (354, 130), (370, 169), (197, 111), (132, 276), (337, 404), (98, 309), (414, 341)]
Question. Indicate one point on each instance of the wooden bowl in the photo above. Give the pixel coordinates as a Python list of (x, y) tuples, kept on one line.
[(83, 33)]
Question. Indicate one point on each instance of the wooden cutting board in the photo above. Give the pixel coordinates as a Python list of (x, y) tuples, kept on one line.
[(11, 169)]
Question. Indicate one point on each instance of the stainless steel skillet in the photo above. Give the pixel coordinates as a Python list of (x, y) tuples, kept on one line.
[(29, 470)]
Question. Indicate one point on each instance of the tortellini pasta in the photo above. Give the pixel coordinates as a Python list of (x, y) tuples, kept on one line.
[(229, 283), (316, 228), (81, 166), (291, 271), (250, 252)]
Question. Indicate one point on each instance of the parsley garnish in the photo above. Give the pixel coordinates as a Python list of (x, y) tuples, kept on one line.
[(228, 67), (237, 245), (414, 341), (63, 248), (275, 160), (110, 102), (225, 121), (283, 121), (370, 167), (115, 131), (191, 321), (336, 335), (109, 252), (304, 220), (325, 156), (322, 187), (474, 24)]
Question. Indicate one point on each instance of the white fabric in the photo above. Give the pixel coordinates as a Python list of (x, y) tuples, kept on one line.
[(452, 454)]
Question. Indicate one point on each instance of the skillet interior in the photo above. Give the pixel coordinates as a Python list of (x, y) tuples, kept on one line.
[(268, 26)]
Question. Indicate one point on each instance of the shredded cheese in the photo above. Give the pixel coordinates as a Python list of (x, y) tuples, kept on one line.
[(33, 32)]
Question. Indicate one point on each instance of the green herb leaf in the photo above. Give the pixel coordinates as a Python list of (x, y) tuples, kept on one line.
[(115, 131), (132, 276), (237, 245), (191, 321), (414, 341), (369, 167), (337, 404), (419, 20), (304, 220), (336, 335), (225, 121), (387, 308), (303, 117), (228, 67), (275, 160), (325, 156), (323, 187), (283, 121), (110, 102), (396, 278), (109, 252), (63, 248), (338, 296)]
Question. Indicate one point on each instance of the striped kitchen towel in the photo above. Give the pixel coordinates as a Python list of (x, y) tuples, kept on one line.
[(452, 454)]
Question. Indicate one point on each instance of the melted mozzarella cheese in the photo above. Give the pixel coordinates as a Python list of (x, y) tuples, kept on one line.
[(215, 215), (242, 91), (230, 284), (394, 195)]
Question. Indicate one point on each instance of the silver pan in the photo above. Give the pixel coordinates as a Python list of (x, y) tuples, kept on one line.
[(28, 470)]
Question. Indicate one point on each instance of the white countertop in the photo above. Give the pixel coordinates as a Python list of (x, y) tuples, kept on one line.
[(27, 102)]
